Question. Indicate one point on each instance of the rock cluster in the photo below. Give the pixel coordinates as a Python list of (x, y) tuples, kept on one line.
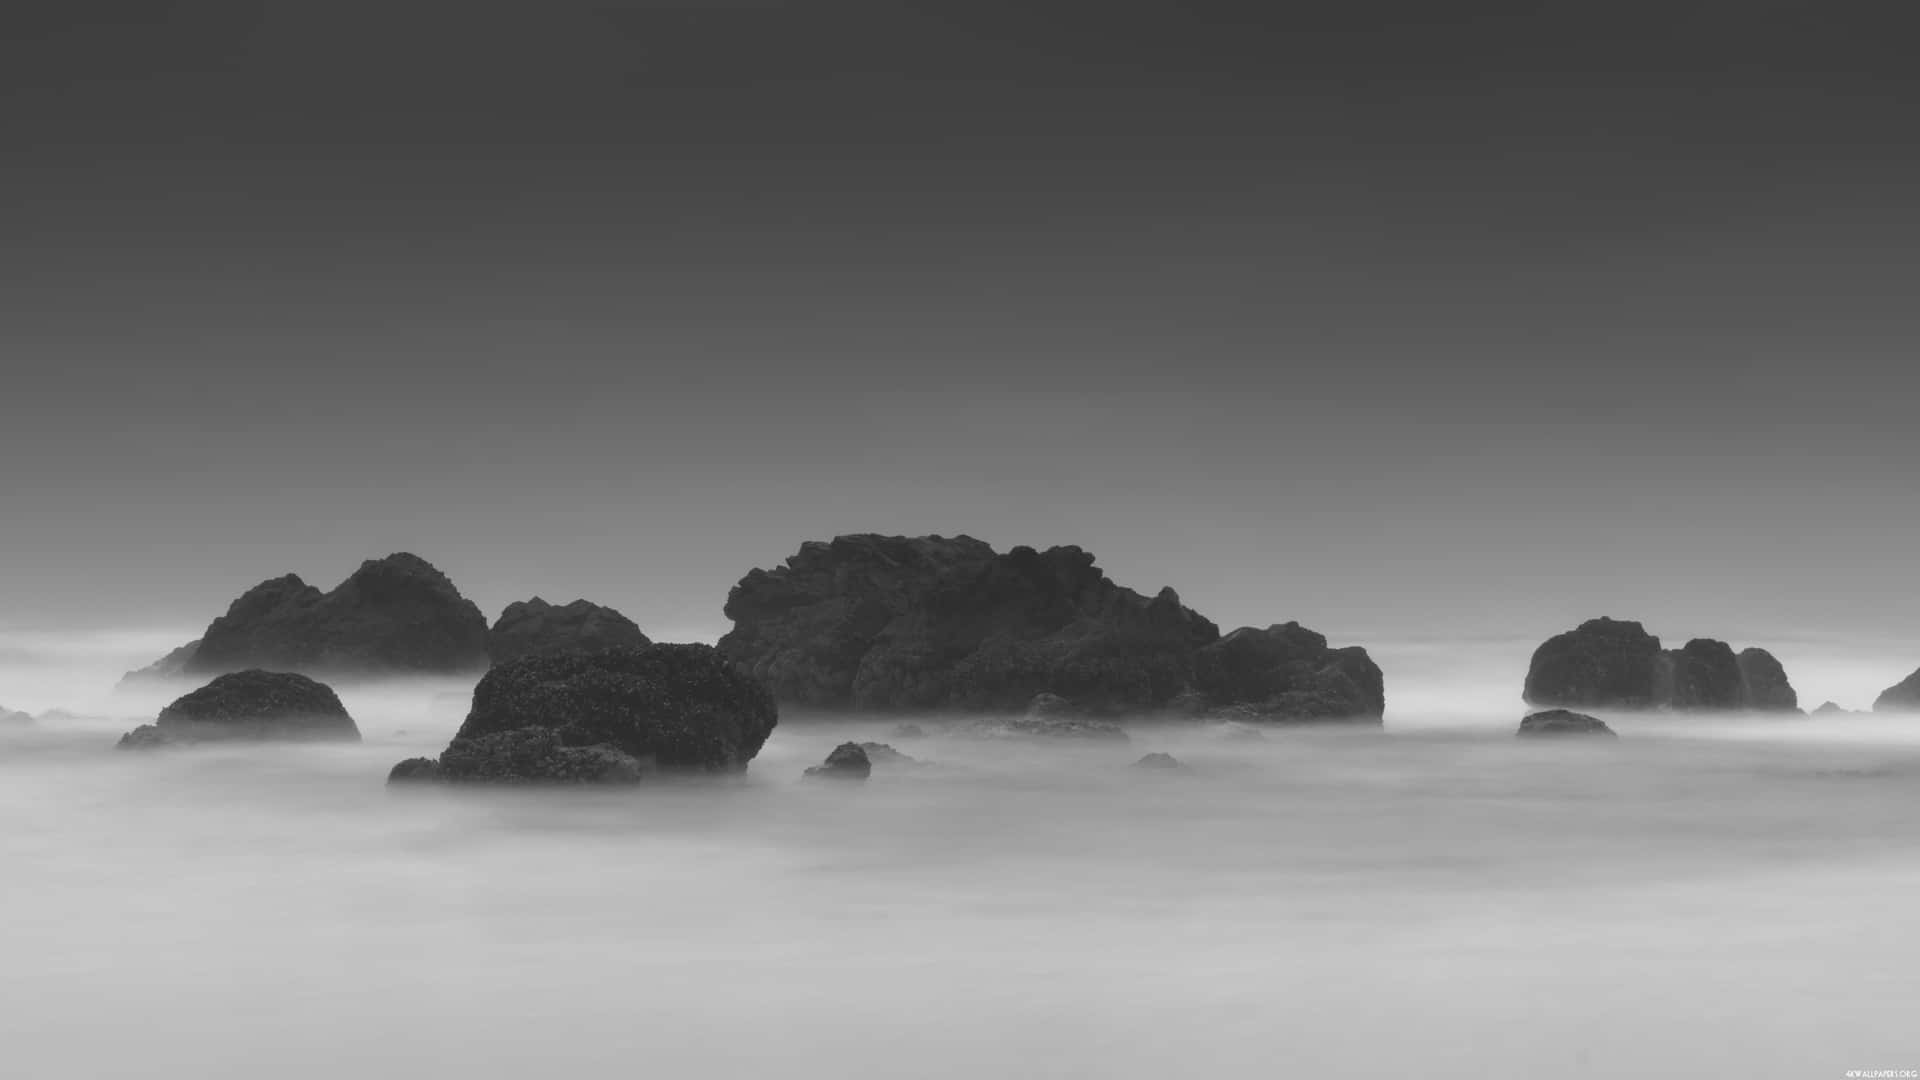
[(1609, 663), (877, 623), (249, 705), (537, 628), (608, 716)]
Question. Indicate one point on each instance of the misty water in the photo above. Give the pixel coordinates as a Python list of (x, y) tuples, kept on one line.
[(1701, 897)]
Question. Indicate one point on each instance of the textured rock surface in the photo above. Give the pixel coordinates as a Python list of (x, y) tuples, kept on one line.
[(889, 622), (1609, 663), (672, 707), (1903, 696), (251, 704), (537, 628), (396, 615), (1562, 722), (848, 761)]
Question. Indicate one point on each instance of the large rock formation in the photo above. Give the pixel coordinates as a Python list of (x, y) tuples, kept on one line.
[(1608, 663), (537, 628), (393, 616), (671, 707), (253, 704), (897, 623), (1903, 696)]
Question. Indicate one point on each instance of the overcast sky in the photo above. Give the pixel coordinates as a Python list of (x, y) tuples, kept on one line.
[(1390, 319)]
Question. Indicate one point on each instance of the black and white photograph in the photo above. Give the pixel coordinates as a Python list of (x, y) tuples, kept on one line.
[(898, 539)]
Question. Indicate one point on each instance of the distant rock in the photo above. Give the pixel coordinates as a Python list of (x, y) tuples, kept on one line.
[(882, 754), (908, 731), (848, 761), (12, 719), (537, 628), (1608, 663), (1828, 708), (249, 705), (935, 623), (394, 616), (1903, 696), (662, 707), (1563, 722), (171, 666), (1158, 760)]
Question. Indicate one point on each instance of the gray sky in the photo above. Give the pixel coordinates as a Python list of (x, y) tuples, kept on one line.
[(1385, 319)]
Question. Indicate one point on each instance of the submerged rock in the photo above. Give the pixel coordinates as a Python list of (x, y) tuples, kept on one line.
[(848, 761), (1610, 663), (1903, 696), (1158, 760), (250, 705), (1563, 722), (662, 707), (537, 628), (394, 616), (882, 754), (890, 623)]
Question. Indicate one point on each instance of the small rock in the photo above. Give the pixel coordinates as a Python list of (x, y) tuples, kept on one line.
[(1158, 760), (1563, 722), (847, 762), (908, 731)]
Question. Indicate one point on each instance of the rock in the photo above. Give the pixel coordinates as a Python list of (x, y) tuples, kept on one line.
[(419, 768), (250, 705), (1236, 730), (393, 616), (1615, 664), (1052, 716), (1158, 760), (1830, 709), (171, 666), (934, 623), (908, 731), (1903, 696), (1601, 662), (537, 628), (11, 719), (882, 754), (848, 761), (663, 707), (1764, 685), (1562, 722)]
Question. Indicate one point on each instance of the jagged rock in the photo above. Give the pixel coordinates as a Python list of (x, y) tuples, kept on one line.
[(1158, 760), (537, 628), (1903, 696), (396, 615), (419, 768), (1287, 673), (670, 707), (882, 754), (888, 623), (848, 761), (1602, 662), (252, 704), (171, 666), (1615, 664), (1764, 685), (1563, 722)]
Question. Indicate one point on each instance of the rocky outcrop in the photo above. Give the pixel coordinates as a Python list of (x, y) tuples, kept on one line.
[(928, 623), (848, 761), (11, 719), (1828, 708), (662, 707), (171, 666), (1608, 663), (537, 628), (1903, 696), (393, 616), (249, 705), (1563, 722)]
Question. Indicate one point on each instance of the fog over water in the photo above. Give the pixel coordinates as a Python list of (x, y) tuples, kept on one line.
[(1729, 897)]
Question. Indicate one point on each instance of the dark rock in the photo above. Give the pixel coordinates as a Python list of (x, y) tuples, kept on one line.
[(671, 707), (145, 737), (908, 731), (878, 623), (1602, 662), (848, 761), (1562, 722), (418, 768), (393, 616), (171, 666), (1158, 761), (1903, 696), (1764, 685), (1614, 664), (882, 754), (537, 628), (253, 704), (1286, 673)]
